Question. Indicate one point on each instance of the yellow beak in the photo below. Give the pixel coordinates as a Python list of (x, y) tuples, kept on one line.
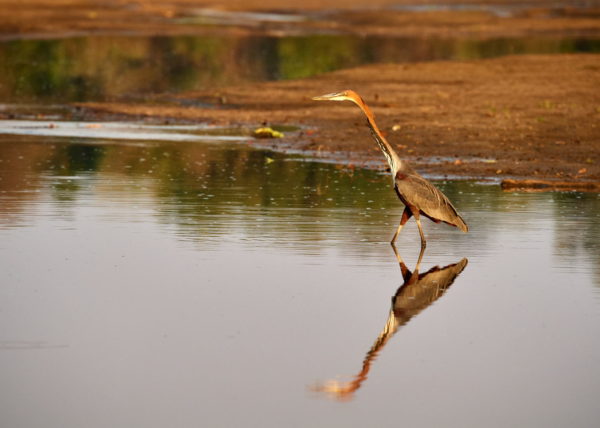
[(336, 96)]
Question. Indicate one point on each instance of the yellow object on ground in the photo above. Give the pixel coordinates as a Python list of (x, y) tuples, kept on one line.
[(267, 132)]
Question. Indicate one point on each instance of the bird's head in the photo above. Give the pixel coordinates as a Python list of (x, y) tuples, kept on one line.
[(348, 95)]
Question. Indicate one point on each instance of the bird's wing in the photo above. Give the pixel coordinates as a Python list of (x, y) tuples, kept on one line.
[(416, 191), (412, 298)]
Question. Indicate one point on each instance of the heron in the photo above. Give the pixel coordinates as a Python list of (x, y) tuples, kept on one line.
[(417, 194), (417, 293)]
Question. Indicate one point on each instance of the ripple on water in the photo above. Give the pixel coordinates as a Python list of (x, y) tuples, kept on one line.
[(273, 288)]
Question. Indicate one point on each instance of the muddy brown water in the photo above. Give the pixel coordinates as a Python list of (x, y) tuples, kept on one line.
[(207, 283)]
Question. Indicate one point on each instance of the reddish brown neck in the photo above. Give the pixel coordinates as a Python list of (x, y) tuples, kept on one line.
[(389, 153)]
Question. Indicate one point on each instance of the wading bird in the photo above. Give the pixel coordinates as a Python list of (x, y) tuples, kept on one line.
[(416, 294), (417, 194)]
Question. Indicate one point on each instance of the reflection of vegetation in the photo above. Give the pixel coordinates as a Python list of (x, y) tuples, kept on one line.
[(578, 227), (474, 49), (306, 56), (72, 161), (204, 189), (83, 158), (93, 68), (45, 68), (80, 69), (190, 60)]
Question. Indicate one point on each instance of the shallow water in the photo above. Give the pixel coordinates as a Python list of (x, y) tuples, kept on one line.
[(134, 68), (209, 284), (122, 131)]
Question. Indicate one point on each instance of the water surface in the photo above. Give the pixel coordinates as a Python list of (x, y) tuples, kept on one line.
[(135, 68), (208, 284)]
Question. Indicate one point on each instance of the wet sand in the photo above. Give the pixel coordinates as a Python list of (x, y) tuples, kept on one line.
[(534, 116)]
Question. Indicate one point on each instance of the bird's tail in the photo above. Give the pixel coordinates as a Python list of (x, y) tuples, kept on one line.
[(460, 223)]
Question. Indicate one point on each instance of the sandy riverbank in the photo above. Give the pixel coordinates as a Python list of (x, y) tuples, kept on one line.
[(530, 116)]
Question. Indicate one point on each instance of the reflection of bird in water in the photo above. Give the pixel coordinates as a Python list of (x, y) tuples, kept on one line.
[(416, 193), (416, 294)]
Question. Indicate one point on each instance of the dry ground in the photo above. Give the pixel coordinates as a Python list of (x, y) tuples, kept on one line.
[(51, 18)]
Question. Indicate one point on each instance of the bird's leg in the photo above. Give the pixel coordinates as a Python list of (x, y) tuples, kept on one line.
[(420, 258), (405, 272), (405, 216), (423, 240)]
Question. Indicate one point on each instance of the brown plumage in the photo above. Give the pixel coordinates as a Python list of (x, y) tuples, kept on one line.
[(417, 293), (416, 193)]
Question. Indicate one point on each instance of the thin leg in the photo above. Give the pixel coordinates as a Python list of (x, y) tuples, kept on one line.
[(405, 272), (405, 216), (423, 241), (420, 258)]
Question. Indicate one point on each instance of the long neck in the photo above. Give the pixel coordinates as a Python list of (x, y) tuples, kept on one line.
[(344, 391), (392, 157)]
